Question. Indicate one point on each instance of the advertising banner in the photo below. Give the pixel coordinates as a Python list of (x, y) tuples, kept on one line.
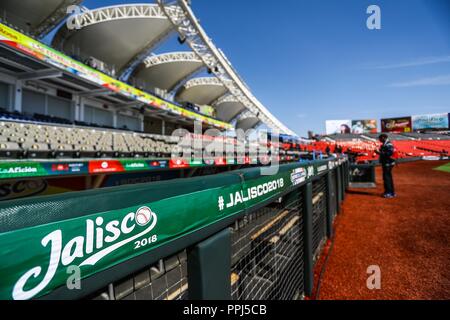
[(35, 260), (430, 121), (25, 169), (21, 169), (44, 53), (29, 169), (208, 110), (338, 126), (364, 126), (396, 125)]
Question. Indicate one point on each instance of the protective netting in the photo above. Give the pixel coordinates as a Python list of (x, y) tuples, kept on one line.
[(319, 217), (166, 280), (267, 253)]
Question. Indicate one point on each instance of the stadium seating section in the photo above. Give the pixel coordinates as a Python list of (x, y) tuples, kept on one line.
[(408, 145), (30, 140), (38, 136)]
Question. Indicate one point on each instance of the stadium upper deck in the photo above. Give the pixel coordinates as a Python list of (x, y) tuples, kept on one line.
[(88, 82)]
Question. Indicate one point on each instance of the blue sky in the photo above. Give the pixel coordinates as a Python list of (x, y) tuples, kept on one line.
[(309, 60)]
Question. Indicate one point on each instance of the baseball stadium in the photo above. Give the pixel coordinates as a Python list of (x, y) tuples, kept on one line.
[(137, 164)]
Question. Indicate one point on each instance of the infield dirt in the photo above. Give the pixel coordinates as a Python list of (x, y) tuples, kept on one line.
[(407, 237)]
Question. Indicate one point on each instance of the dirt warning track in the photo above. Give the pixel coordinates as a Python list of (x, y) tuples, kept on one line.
[(407, 237)]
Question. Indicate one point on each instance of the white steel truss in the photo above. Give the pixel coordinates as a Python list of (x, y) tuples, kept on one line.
[(124, 12), (190, 30), (228, 98), (119, 12), (206, 81), (171, 57), (246, 114)]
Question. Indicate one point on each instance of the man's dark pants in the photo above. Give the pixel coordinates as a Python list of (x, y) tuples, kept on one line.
[(388, 181)]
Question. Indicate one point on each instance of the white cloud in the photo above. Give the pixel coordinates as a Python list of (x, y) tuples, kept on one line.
[(432, 81), (416, 63)]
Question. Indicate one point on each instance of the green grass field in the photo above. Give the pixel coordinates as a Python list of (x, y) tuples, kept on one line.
[(445, 168)]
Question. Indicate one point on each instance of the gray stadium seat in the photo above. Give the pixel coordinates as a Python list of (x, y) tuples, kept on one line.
[(36, 150), (68, 142), (62, 150), (10, 150)]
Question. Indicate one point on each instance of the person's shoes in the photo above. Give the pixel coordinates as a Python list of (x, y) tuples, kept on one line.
[(389, 195)]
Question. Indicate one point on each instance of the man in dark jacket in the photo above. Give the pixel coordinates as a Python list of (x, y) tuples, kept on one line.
[(387, 162)]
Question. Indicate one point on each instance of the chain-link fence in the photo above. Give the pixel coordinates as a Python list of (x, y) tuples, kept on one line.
[(166, 280), (267, 253)]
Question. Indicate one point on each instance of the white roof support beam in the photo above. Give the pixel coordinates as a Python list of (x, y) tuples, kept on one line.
[(227, 98), (189, 63), (204, 81), (126, 11), (117, 13), (170, 57)]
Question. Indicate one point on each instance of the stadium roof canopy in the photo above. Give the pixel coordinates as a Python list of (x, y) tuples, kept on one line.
[(228, 107), (36, 17), (123, 36), (166, 71), (118, 35), (247, 123), (202, 91)]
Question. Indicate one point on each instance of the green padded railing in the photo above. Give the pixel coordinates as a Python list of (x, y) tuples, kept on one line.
[(109, 232)]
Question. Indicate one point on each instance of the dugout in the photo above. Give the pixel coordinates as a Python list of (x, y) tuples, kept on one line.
[(239, 235)]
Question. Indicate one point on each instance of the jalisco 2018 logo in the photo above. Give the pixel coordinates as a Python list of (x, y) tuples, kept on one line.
[(100, 240)]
